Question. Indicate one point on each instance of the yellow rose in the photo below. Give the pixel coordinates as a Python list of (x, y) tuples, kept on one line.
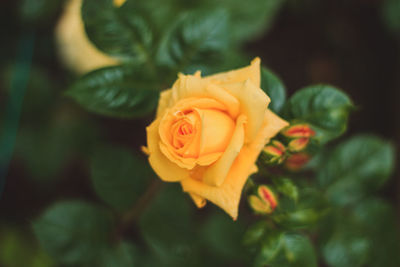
[(208, 133), (75, 49)]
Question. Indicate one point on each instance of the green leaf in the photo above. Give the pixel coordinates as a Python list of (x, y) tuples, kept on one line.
[(255, 232), (286, 187), (297, 251), (378, 221), (167, 228), (119, 177), (364, 234), (120, 91), (73, 232), (274, 88), (122, 32), (324, 107), (286, 249), (197, 37), (390, 13), (271, 245), (303, 214), (346, 249), (221, 236), (123, 255), (356, 168), (248, 20)]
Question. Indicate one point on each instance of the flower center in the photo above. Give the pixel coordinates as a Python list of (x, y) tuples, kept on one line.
[(183, 130)]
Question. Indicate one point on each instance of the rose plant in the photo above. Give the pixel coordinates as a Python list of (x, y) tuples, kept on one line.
[(224, 134)]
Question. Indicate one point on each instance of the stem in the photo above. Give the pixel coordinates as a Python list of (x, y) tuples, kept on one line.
[(134, 213)]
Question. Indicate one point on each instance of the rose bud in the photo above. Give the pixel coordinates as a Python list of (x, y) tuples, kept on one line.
[(265, 202), (299, 144), (296, 161), (208, 133), (298, 131), (274, 152)]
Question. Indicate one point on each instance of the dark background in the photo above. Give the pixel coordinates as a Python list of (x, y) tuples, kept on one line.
[(343, 43)]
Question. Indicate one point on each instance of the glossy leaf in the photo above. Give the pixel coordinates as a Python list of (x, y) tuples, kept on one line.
[(271, 245), (122, 255), (356, 168), (198, 37), (222, 237), (286, 187), (119, 177), (116, 91), (119, 32), (167, 229), (324, 107), (73, 232), (274, 88), (249, 20), (297, 250)]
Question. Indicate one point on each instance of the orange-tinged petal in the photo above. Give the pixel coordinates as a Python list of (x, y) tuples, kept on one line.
[(231, 103), (227, 196), (208, 159), (216, 130), (251, 72), (165, 169), (216, 174), (182, 162), (253, 102)]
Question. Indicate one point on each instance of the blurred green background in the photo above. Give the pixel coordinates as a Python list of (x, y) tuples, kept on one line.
[(353, 44)]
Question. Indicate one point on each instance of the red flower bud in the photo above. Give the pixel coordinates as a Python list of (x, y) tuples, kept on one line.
[(297, 161), (265, 202), (298, 144), (275, 152), (298, 131), (275, 148), (267, 196)]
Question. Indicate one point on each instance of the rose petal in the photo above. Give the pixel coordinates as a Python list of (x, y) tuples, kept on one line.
[(165, 169), (253, 102), (164, 102), (216, 173), (251, 72), (216, 130), (227, 196), (231, 103), (187, 86), (198, 200), (208, 159)]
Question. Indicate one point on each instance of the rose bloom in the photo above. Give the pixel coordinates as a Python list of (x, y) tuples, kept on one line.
[(75, 49), (208, 133)]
